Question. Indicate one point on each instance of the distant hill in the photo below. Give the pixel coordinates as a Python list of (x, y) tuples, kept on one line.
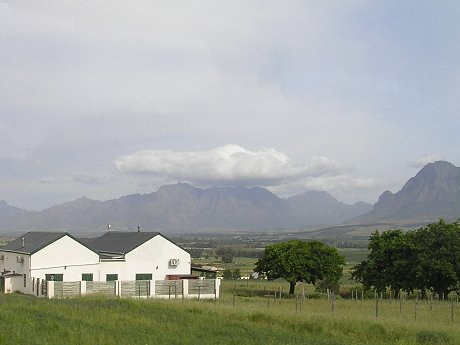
[(322, 208), (431, 194), (183, 208)]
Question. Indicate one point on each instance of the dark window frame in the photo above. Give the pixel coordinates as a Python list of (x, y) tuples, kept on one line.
[(48, 277), (87, 277), (111, 277), (144, 276)]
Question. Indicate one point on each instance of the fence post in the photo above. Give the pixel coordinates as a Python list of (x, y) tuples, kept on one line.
[(117, 287), (83, 287), (152, 288), (400, 302), (217, 287), (185, 288), (376, 305), (296, 302), (431, 302), (49, 288), (333, 302)]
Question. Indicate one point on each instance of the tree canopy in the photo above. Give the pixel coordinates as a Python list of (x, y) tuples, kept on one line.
[(427, 258), (297, 260)]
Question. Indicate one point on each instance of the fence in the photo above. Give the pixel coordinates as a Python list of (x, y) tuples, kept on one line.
[(199, 288), (101, 288), (169, 288)]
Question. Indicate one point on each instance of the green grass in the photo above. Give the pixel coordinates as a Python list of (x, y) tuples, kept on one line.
[(354, 256), (252, 320)]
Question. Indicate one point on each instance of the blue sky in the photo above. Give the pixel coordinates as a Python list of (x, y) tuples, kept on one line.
[(106, 98)]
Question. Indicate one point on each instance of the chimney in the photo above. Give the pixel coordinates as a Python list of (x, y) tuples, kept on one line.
[(138, 228), (23, 242)]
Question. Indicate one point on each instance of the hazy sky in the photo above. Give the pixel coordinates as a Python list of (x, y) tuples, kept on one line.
[(105, 98)]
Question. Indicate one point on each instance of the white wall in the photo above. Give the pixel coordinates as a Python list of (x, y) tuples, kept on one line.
[(146, 258), (65, 256), (10, 263)]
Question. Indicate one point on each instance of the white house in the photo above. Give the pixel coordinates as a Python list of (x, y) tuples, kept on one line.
[(58, 256), (44, 256), (139, 256)]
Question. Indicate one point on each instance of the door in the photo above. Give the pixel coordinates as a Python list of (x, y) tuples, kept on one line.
[(2, 284)]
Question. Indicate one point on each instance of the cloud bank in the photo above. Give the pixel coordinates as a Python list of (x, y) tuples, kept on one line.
[(235, 165)]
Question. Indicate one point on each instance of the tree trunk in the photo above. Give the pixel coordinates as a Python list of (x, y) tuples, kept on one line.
[(291, 288)]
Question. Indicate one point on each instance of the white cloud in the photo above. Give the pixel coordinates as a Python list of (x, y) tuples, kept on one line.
[(344, 187), (81, 178), (229, 164), (340, 182), (421, 162)]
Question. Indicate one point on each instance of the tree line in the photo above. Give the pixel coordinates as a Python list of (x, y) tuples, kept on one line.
[(424, 259)]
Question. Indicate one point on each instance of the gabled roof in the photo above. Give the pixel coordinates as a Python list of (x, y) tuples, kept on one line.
[(120, 242), (35, 241)]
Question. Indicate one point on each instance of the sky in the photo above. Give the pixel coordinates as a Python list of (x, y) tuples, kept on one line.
[(105, 98)]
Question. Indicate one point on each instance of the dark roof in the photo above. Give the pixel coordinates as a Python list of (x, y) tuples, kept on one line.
[(120, 242), (201, 269), (111, 245), (33, 241)]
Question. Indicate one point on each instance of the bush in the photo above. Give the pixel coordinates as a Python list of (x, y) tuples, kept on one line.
[(324, 285)]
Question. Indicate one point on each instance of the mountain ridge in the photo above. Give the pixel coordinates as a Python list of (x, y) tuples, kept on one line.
[(433, 193), (184, 208)]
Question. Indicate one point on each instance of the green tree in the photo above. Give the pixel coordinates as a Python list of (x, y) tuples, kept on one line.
[(438, 267), (391, 262), (427, 258), (227, 254), (236, 273), (297, 260), (227, 258), (227, 274)]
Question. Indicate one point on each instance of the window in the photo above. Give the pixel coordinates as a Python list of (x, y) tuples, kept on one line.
[(111, 277), (87, 277), (54, 277), (25, 280), (143, 276)]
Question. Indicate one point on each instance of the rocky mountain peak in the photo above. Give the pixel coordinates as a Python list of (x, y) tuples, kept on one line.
[(434, 192)]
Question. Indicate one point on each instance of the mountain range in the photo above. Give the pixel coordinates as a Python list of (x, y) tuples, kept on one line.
[(184, 208), (433, 193)]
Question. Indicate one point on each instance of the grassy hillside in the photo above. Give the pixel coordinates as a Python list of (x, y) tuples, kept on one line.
[(252, 320)]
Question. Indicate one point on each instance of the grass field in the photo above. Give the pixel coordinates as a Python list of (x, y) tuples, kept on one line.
[(229, 320)]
